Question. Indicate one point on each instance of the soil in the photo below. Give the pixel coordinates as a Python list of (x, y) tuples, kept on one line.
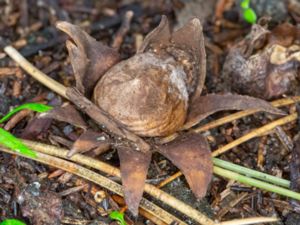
[(32, 192)]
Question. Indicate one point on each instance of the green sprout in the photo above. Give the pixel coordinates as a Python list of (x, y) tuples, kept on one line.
[(12, 222), (13, 143), (10, 141), (118, 216), (248, 13), (37, 107)]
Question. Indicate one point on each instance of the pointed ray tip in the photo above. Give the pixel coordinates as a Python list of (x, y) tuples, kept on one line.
[(134, 209), (163, 17), (60, 24), (196, 22), (63, 25)]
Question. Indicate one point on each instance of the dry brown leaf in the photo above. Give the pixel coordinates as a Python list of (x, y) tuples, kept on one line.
[(35, 127)]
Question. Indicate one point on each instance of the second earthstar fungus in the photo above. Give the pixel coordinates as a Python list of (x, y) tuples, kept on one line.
[(154, 93), (266, 63)]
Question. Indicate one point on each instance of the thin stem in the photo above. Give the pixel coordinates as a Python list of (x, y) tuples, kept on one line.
[(251, 173), (36, 73), (255, 133), (256, 183), (254, 220), (98, 179)]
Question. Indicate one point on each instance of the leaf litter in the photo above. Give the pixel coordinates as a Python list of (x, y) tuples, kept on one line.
[(166, 48)]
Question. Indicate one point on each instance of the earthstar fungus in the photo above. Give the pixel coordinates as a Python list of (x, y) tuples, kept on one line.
[(155, 93), (265, 64)]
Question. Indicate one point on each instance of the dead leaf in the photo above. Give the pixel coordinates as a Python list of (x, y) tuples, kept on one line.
[(191, 154), (35, 127)]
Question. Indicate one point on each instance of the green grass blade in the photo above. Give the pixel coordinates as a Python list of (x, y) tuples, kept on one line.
[(37, 107), (256, 183), (12, 222), (251, 173), (13, 143)]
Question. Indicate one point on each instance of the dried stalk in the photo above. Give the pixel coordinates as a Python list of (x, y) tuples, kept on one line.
[(256, 133), (36, 73), (254, 220), (106, 168), (124, 28), (98, 179)]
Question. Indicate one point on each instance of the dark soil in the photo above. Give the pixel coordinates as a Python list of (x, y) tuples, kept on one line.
[(26, 190)]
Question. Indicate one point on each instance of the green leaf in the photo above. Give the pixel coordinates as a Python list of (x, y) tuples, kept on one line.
[(10, 141), (250, 15), (12, 222), (245, 4), (37, 107), (115, 215)]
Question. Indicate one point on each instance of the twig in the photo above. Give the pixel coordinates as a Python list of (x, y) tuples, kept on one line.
[(124, 28), (79, 100), (106, 168), (34, 72), (225, 209), (254, 220), (96, 178), (16, 119), (256, 133)]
